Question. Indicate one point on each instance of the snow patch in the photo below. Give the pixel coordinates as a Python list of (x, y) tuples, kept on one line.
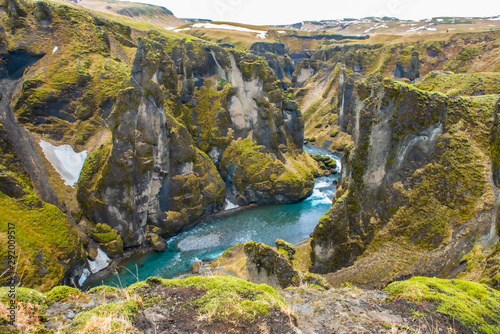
[(65, 160), (281, 32), (260, 33), (374, 28), (55, 49), (101, 262), (415, 29), (228, 205), (83, 278)]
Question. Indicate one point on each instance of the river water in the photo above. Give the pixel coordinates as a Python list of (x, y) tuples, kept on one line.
[(207, 241)]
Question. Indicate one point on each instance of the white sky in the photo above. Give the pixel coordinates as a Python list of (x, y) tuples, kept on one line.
[(293, 11)]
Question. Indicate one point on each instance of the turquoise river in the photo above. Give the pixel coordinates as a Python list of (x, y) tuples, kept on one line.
[(209, 239)]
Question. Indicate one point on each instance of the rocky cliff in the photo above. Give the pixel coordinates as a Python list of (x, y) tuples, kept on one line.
[(460, 65), (416, 190), (172, 126)]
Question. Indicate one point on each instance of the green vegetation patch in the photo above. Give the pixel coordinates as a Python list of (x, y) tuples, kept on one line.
[(461, 84), (254, 167), (46, 242), (117, 317), (449, 187), (227, 297), (474, 305), (24, 296), (62, 293)]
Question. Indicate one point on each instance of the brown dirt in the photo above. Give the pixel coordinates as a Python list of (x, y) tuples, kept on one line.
[(174, 315), (351, 310), (423, 317)]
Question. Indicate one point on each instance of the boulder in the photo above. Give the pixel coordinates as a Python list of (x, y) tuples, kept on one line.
[(92, 250), (159, 244), (195, 268), (108, 239), (269, 266), (285, 248)]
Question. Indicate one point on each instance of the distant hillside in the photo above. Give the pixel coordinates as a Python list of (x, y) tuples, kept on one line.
[(157, 15), (390, 25)]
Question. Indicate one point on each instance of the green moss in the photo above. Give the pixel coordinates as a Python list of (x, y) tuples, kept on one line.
[(24, 296), (325, 219), (461, 84), (109, 239), (334, 133), (473, 305), (464, 59), (438, 192), (122, 314), (227, 298), (62, 293), (45, 256), (103, 290), (254, 168)]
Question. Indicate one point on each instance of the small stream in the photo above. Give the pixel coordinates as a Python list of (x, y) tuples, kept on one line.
[(207, 241)]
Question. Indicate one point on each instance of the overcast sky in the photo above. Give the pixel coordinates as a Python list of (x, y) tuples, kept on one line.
[(291, 11)]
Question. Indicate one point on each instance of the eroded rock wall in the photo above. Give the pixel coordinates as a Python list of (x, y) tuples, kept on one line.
[(415, 189)]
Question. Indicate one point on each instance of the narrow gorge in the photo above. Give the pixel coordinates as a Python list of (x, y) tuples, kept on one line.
[(247, 178)]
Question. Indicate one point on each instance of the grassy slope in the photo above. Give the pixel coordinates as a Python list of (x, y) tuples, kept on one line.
[(225, 299), (475, 306), (474, 55), (155, 15)]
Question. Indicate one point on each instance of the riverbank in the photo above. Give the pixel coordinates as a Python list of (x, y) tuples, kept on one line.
[(209, 238)]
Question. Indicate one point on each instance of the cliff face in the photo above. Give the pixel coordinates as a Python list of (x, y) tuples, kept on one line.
[(191, 109), (415, 194), (172, 127), (462, 65)]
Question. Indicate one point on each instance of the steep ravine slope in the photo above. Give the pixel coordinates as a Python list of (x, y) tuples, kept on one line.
[(172, 126), (415, 194), (465, 64)]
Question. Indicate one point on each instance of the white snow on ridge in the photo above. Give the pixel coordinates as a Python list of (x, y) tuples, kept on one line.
[(65, 160), (375, 27), (260, 33), (414, 29)]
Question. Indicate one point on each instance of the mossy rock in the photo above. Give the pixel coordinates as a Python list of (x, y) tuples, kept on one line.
[(109, 239), (474, 305), (159, 244), (270, 266), (285, 248), (258, 177), (48, 258), (315, 279), (227, 298), (62, 293)]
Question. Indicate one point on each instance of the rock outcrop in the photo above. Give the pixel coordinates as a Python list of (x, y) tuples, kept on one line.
[(415, 187), (270, 266), (170, 125), (162, 172)]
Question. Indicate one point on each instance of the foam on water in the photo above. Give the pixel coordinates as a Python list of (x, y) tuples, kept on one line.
[(198, 242)]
